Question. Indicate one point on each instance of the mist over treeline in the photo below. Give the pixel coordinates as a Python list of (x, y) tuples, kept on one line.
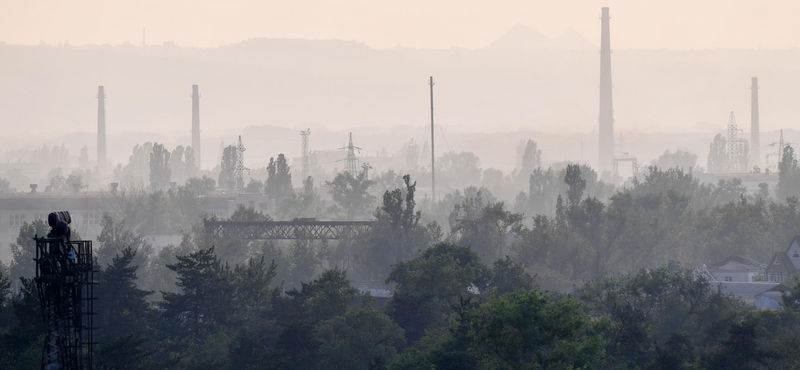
[(466, 281)]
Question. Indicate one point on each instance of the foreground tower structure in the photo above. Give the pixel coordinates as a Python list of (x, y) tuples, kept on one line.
[(101, 127), (196, 125), (606, 119), (755, 134)]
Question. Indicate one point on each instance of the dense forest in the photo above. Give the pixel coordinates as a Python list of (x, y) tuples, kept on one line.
[(573, 274)]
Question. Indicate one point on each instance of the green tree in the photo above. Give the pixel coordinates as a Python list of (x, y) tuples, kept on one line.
[(718, 161), (279, 179), (531, 160), (429, 285), (528, 330), (114, 238), (203, 303), (576, 185), (361, 339), (484, 228), (23, 251), (160, 169), (124, 309), (677, 159), (351, 193), (227, 167), (459, 169), (201, 186), (396, 234)]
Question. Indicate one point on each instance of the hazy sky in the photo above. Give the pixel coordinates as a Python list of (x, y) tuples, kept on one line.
[(676, 24)]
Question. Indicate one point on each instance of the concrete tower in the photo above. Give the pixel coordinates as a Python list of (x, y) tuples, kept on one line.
[(606, 157), (101, 127), (755, 135), (196, 125)]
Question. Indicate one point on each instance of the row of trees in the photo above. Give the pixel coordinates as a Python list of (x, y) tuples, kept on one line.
[(449, 310)]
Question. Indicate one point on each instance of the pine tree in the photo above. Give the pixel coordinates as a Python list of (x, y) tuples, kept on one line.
[(124, 307), (204, 301)]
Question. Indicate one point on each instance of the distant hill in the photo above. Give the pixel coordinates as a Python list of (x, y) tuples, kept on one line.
[(523, 37)]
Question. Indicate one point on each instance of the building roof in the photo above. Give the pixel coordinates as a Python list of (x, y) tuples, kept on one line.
[(785, 264), (748, 289), (737, 264)]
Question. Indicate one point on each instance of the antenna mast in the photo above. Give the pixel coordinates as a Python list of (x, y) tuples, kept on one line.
[(306, 157), (433, 155)]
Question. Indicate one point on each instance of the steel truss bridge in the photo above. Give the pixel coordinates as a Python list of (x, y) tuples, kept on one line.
[(287, 230)]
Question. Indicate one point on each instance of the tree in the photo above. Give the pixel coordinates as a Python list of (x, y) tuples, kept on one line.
[(531, 160), (83, 160), (24, 250), (677, 159), (718, 161), (5, 186), (396, 234), (201, 186), (279, 179), (528, 330), (430, 284), (459, 169), (254, 186), (160, 171), (227, 167), (360, 339), (203, 303), (124, 307), (576, 184), (251, 283), (788, 175), (484, 228), (351, 193), (508, 276), (114, 238)]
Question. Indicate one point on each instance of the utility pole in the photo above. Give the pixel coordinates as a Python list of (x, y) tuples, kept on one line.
[(433, 155), (306, 156)]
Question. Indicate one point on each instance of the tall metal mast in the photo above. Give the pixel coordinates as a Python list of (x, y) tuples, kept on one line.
[(433, 153), (306, 156)]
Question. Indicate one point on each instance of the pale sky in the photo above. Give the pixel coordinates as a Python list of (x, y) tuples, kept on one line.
[(676, 24)]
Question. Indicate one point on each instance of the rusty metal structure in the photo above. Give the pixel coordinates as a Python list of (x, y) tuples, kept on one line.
[(65, 282), (301, 228)]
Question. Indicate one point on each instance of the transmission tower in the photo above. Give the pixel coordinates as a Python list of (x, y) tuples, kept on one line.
[(238, 172), (351, 162), (306, 156), (736, 147)]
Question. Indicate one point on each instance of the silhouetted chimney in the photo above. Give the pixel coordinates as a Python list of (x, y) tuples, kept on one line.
[(606, 156), (196, 124), (755, 135), (101, 127)]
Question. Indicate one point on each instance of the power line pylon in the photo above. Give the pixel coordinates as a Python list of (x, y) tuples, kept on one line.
[(238, 172), (306, 155), (351, 162), (736, 147)]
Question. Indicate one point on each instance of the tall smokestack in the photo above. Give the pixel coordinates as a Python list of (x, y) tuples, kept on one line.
[(755, 135), (101, 127), (196, 124), (606, 157)]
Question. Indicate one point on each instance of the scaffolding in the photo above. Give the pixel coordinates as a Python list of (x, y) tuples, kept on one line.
[(65, 282)]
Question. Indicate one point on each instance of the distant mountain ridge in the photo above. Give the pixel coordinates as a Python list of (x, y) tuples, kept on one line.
[(523, 37)]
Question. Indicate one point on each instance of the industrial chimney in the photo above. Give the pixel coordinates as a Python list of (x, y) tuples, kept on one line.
[(196, 124), (755, 135), (606, 157), (101, 127)]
